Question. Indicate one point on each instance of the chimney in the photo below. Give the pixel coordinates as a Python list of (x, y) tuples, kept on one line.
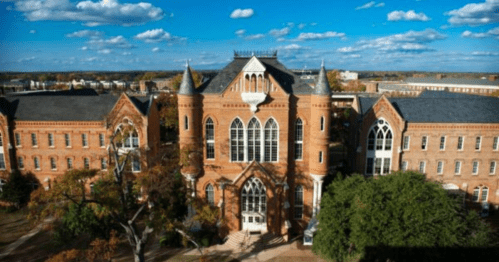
[(492, 77)]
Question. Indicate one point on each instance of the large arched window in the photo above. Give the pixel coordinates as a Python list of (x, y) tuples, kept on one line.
[(271, 140), (237, 140), (210, 195), (298, 139), (254, 140), (210, 139), (379, 148), (129, 138), (480, 194)]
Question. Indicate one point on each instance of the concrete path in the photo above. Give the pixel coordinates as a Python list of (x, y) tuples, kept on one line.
[(24, 238)]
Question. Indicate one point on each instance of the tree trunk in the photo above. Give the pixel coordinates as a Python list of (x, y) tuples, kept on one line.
[(138, 254)]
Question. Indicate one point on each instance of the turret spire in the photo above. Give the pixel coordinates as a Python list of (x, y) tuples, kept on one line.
[(187, 85), (322, 85)]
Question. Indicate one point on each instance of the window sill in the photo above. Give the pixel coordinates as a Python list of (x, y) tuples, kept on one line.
[(34, 146), (69, 147)]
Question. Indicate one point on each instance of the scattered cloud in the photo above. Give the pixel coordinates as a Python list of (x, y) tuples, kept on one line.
[(240, 32), (301, 26), (347, 49), (292, 47), (84, 48), (318, 36), (366, 5), (407, 16), (242, 13), (313, 24), (157, 50), (491, 33), (475, 14), (89, 59), (112, 42), (254, 37), (90, 13), (85, 33), (126, 53), (280, 32), (27, 59), (380, 4), (281, 39), (156, 36), (32, 31), (8, 8), (105, 51), (290, 24), (481, 53)]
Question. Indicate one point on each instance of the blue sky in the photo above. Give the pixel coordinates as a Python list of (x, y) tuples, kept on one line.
[(116, 35)]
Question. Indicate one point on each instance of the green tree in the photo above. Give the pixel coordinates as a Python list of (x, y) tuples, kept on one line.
[(333, 77), (177, 80), (398, 210), (18, 188)]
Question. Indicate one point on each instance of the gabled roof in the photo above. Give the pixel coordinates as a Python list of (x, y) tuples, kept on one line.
[(291, 83), (442, 107), (65, 106)]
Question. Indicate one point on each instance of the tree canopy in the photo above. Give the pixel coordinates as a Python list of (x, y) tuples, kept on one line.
[(196, 77), (333, 77), (398, 210)]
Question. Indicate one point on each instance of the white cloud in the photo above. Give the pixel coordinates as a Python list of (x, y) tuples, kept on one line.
[(112, 42), (89, 59), (407, 16), (279, 32), (86, 33), (90, 13), (313, 24), (254, 37), (84, 48), (475, 14), (126, 53), (242, 13), (318, 36), (8, 8), (240, 32), (492, 32), (27, 59), (481, 53), (32, 31), (301, 26), (347, 49), (380, 4), (366, 5), (292, 47), (281, 39), (105, 51), (156, 50), (156, 36)]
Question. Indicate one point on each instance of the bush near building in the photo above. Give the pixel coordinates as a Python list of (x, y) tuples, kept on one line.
[(18, 188), (401, 212)]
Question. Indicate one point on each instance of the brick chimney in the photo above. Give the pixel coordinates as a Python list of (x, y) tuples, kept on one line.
[(492, 77)]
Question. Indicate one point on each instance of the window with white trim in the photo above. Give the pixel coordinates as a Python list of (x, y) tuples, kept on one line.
[(495, 145), (2, 161), (298, 202), (460, 142), (53, 164), (101, 140), (34, 142), (51, 139), (442, 143), (69, 163), (20, 162), (424, 142), (478, 142), (86, 163), (103, 164), (404, 166), (298, 139), (379, 145), (377, 165), (67, 140), (475, 167), (492, 169), (480, 194), (84, 141), (237, 140), (210, 139), (440, 167), (485, 194), (136, 164), (271, 137), (210, 195), (476, 194), (422, 165), (254, 140), (457, 168), (406, 142), (36, 163), (18, 139), (130, 138)]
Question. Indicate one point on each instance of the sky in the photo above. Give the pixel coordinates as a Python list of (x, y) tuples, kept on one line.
[(119, 35)]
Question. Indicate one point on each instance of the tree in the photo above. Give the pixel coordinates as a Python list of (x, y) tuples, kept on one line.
[(333, 77), (398, 210), (177, 80), (18, 188), (138, 204)]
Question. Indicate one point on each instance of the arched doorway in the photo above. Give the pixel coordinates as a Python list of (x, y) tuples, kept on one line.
[(254, 205)]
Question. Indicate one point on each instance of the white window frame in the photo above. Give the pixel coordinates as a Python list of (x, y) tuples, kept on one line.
[(474, 169), (462, 143), (53, 164), (102, 140), (210, 142), (84, 140), (378, 127), (495, 143), (36, 163), (3, 165), (478, 141), (404, 166), (457, 165), (297, 204), (237, 140), (298, 154), (134, 160), (20, 162), (86, 163), (424, 167), (34, 140), (271, 150), (475, 196), (67, 139), (407, 142), (254, 130), (18, 139), (486, 196), (69, 163), (210, 194), (50, 138), (442, 143), (103, 164), (492, 167), (440, 167), (424, 143)]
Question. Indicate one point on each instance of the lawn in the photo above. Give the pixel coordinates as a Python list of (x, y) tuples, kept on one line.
[(13, 225)]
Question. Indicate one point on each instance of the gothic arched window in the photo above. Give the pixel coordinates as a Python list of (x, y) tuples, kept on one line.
[(210, 195), (298, 139), (271, 140), (237, 140), (210, 139), (254, 140), (379, 148)]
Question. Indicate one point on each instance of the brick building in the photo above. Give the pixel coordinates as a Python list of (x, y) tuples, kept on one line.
[(49, 133), (264, 135), (450, 137)]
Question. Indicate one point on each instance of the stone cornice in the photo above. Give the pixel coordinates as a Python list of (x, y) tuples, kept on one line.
[(38, 124)]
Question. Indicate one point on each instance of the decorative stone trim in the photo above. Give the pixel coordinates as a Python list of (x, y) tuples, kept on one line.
[(253, 99)]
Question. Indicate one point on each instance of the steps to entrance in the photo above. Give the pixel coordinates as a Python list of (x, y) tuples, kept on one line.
[(243, 241)]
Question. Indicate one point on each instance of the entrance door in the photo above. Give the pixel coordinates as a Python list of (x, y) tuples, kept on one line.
[(254, 205)]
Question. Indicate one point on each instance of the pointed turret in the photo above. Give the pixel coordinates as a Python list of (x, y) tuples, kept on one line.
[(187, 85), (322, 85)]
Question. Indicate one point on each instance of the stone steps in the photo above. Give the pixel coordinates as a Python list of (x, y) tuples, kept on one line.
[(243, 241)]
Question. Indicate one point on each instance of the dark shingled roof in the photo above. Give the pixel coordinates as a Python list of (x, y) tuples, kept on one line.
[(322, 84), (64, 106), (443, 107), (453, 81), (187, 84), (291, 83)]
